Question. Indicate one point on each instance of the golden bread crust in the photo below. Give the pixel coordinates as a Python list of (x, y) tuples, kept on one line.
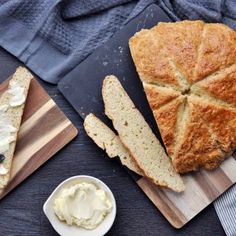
[(166, 118), (159, 96), (220, 119), (201, 59), (221, 86), (218, 50), (181, 41), (197, 148), (152, 67)]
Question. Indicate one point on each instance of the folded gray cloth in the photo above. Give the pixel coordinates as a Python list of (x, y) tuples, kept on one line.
[(53, 36)]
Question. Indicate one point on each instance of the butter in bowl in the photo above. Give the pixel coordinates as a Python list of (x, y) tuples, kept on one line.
[(81, 205)]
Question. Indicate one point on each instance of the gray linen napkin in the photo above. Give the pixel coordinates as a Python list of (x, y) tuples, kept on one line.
[(52, 36)]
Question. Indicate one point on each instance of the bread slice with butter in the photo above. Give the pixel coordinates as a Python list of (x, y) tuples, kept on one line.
[(108, 141), (137, 136), (12, 103)]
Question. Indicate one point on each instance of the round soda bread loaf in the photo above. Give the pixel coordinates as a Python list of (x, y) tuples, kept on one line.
[(188, 70)]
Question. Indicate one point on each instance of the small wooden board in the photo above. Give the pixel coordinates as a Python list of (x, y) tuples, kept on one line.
[(82, 88), (44, 131)]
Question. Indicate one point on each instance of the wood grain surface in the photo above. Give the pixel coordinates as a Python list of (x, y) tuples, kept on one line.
[(44, 131), (202, 188)]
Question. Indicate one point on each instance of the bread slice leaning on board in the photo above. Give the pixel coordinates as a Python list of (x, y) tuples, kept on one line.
[(137, 136), (12, 114), (108, 141)]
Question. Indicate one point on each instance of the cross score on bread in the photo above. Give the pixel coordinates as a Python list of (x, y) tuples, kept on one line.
[(188, 71)]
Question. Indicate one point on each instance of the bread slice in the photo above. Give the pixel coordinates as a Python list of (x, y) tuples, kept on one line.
[(138, 137), (12, 114), (108, 141)]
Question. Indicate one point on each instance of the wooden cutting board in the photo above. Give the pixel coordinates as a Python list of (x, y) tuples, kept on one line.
[(82, 88), (202, 188), (44, 131)]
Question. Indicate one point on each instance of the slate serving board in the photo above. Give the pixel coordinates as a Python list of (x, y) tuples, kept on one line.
[(82, 88), (44, 131)]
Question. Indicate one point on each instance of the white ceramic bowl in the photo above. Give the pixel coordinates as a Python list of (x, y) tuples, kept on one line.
[(61, 227)]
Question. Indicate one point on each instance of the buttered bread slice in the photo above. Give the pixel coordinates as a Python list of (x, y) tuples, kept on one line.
[(12, 104), (108, 141), (138, 137)]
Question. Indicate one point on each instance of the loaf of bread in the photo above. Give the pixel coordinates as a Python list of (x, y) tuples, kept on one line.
[(108, 141), (188, 70), (12, 104), (137, 136)]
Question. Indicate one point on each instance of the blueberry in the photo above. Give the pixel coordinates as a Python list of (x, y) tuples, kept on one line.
[(2, 158)]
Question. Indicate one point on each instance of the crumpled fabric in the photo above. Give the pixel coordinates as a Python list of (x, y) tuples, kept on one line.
[(53, 36)]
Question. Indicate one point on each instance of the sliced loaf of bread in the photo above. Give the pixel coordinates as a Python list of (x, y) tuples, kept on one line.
[(107, 140), (138, 137), (12, 103)]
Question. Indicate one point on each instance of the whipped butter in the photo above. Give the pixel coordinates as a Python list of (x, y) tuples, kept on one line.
[(7, 130), (17, 94), (7, 135), (82, 204)]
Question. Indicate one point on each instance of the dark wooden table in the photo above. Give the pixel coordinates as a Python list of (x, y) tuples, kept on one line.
[(21, 211)]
